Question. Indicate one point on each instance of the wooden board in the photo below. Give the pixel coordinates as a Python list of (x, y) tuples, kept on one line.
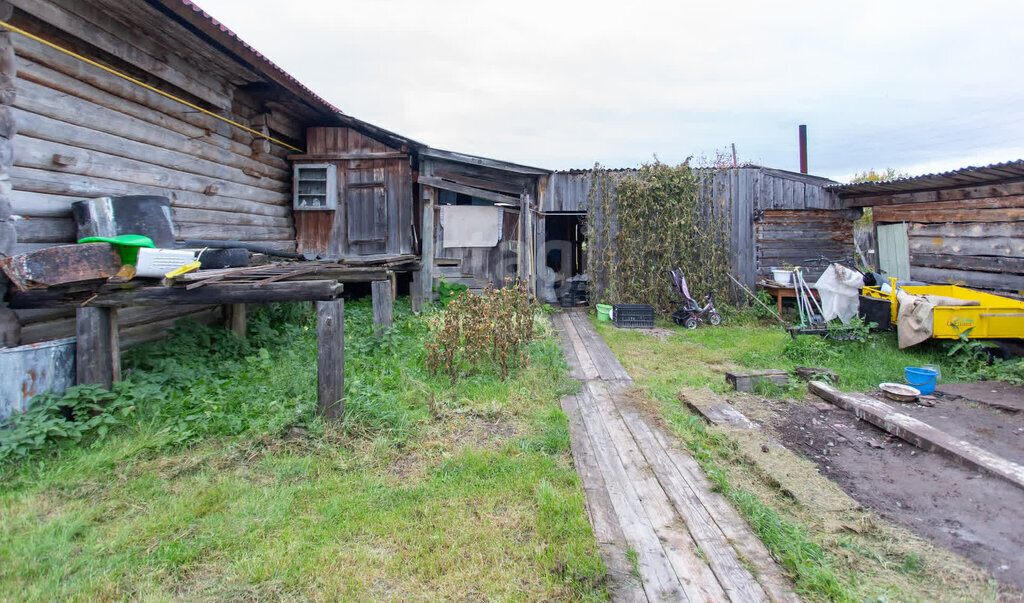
[(920, 433), (607, 365)]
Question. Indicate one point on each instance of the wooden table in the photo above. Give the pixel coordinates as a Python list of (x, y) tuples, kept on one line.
[(779, 293)]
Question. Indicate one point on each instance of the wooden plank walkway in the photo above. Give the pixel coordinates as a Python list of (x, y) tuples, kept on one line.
[(664, 535)]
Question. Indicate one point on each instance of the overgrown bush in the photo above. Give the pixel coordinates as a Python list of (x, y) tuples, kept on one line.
[(481, 331), (82, 414), (648, 224)]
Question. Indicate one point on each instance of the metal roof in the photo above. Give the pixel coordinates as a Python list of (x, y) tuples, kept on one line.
[(968, 176)]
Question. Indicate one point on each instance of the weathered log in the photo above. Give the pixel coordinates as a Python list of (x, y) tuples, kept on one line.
[(39, 154), (968, 262), (45, 230), (241, 233), (994, 246), (383, 306), (96, 345), (166, 67), (120, 117), (38, 126), (919, 433), (236, 319), (330, 323), (981, 280), (10, 328), (234, 218), (226, 293), (55, 205)]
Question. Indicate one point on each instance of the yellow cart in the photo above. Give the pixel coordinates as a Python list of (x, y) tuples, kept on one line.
[(995, 317)]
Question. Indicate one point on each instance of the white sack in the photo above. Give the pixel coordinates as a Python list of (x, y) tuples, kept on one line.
[(839, 289)]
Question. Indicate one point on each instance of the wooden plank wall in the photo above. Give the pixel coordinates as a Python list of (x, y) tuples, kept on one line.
[(83, 132), (328, 232), (977, 242), (772, 216), (503, 260)]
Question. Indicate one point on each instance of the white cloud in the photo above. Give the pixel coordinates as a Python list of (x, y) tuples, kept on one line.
[(562, 84)]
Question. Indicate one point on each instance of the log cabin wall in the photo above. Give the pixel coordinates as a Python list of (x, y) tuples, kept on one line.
[(83, 132), (969, 235), (374, 191)]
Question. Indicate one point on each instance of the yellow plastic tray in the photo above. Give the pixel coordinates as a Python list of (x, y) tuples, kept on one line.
[(995, 317)]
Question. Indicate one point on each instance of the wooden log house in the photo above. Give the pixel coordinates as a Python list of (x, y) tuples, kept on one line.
[(961, 227), (76, 130)]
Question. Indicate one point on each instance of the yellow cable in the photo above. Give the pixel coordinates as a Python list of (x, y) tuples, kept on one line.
[(145, 85)]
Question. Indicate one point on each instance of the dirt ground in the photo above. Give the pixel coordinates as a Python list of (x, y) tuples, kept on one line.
[(978, 516)]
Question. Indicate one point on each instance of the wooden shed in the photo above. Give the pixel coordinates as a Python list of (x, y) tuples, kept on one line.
[(155, 97), (479, 220), (961, 227), (775, 217)]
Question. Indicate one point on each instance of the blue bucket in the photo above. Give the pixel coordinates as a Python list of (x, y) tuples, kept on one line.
[(921, 378)]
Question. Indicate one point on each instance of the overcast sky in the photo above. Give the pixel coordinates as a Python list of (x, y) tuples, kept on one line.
[(918, 86)]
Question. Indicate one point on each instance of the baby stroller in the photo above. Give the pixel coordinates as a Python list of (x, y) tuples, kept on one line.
[(691, 313)]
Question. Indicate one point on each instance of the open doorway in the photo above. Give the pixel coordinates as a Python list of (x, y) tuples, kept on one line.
[(565, 253)]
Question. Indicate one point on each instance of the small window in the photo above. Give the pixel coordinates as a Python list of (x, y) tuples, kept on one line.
[(316, 186)]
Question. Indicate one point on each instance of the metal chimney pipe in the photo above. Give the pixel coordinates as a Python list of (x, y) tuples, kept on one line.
[(803, 149)]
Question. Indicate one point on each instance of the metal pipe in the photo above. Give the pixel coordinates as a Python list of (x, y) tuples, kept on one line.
[(803, 149)]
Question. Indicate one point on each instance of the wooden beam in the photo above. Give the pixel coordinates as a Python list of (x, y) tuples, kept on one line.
[(237, 319), (984, 280), (220, 293), (383, 310), (967, 246), (330, 376), (968, 262), (920, 433), (426, 274), (347, 156), (888, 214), (94, 352), (501, 187), (467, 190)]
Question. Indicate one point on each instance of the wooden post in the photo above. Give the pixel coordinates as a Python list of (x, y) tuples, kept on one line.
[(115, 347), (330, 361), (10, 326), (416, 293), (426, 275), (94, 352), (383, 310), (236, 319)]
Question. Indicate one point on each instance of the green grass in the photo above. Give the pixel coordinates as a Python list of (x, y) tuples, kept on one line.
[(881, 564), (424, 490), (701, 357)]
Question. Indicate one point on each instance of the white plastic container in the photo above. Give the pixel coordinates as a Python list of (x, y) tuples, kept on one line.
[(155, 263), (782, 277)]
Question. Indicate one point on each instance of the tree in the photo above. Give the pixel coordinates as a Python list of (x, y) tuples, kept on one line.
[(881, 176)]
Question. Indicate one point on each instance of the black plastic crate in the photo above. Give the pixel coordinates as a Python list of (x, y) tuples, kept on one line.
[(633, 316)]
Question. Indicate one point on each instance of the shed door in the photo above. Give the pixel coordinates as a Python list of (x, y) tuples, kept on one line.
[(366, 199), (894, 250)]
